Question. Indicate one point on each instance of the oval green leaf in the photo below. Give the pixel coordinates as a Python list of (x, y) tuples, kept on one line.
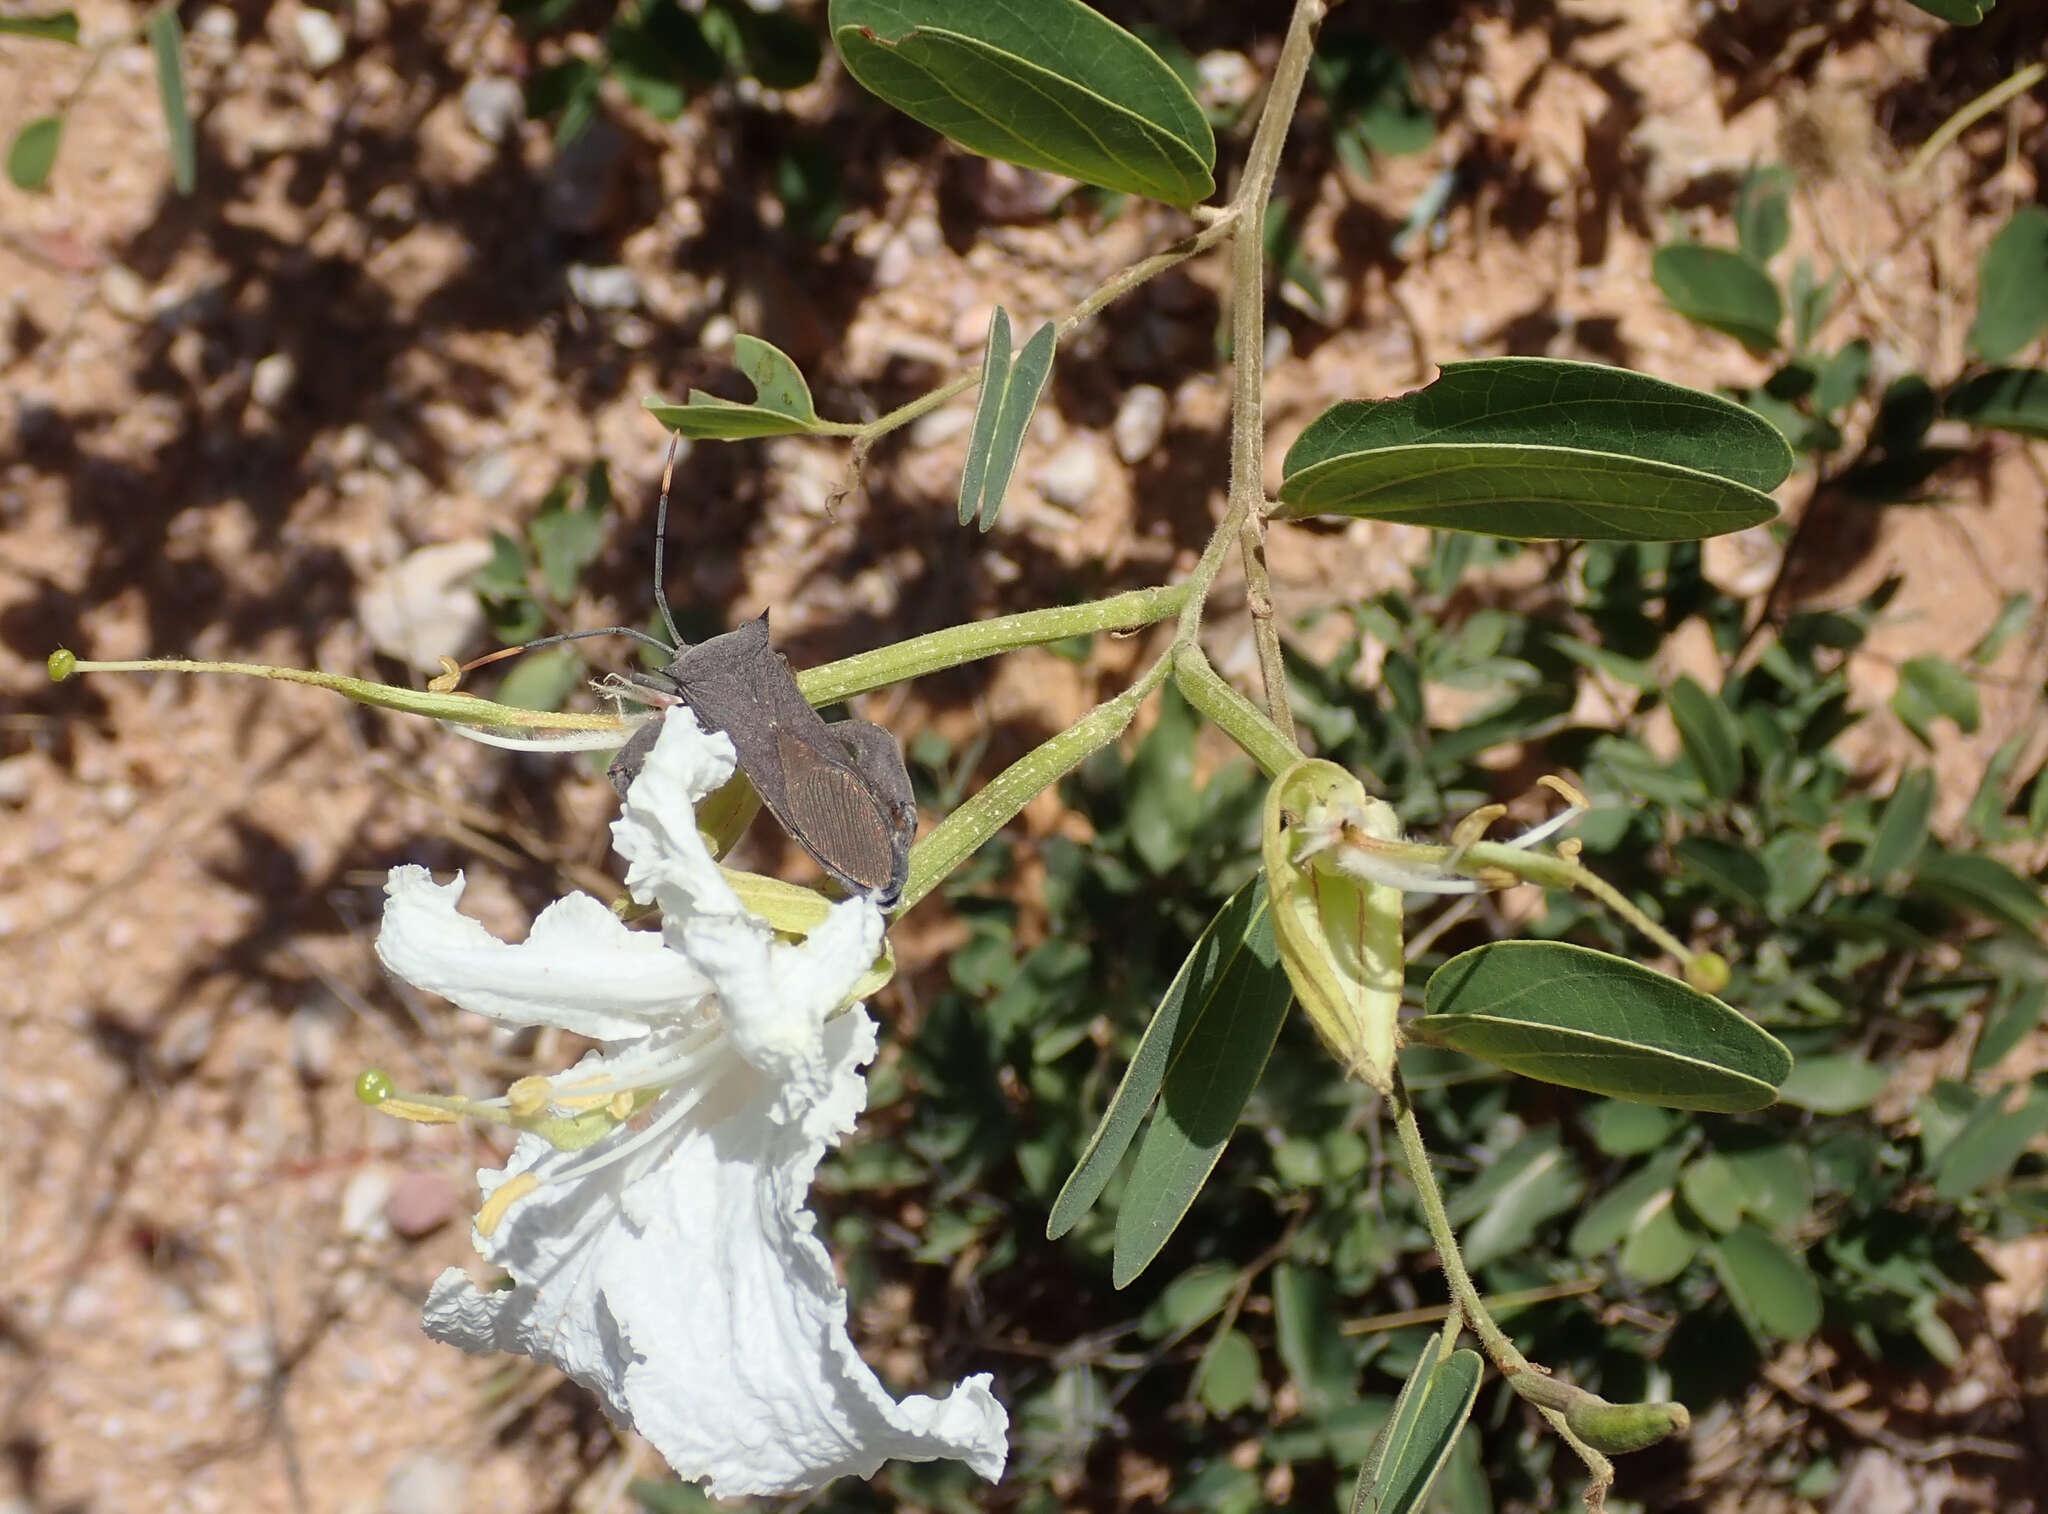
[(1902, 828), (2005, 399), (1772, 1288), (1834, 1083), (1533, 447), (1961, 12), (1432, 1408), (1722, 290), (1225, 961), (782, 401), (1048, 84), (2012, 286), (1584, 1019), (33, 153)]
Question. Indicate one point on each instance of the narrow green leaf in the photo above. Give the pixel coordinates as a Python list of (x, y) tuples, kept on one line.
[(1985, 1150), (1712, 738), (1579, 1017), (1305, 1332), (1902, 828), (2010, 1024), (1048, 84), (2012, 286), (2014, 614), (1935, 686), (1431, 1410), (1728, 867), (1721, 290), (1531, 1182), (1224, 961), (782, 400), (33, 153), (2005, 399), (1979, 885), (1209, 1076), (1010, 391), (1834, 1083), (52, 26), (1772, 1288), (542, 680), (167, 42)]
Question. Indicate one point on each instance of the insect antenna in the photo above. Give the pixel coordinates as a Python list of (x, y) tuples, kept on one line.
[(668, 469)]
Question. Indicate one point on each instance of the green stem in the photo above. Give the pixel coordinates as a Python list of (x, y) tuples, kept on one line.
[(1236, 716), (1116, 286), (1465, 1296), (1003, 797), (950, 648)]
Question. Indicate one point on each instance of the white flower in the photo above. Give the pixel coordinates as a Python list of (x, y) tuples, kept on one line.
[(652, 1215)]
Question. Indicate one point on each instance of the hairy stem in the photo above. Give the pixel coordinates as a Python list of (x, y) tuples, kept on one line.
[(1233, 714), (1499, 1349), (956, 645)]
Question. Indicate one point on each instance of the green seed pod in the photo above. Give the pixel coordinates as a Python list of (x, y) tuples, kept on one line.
[(1618, 1429)]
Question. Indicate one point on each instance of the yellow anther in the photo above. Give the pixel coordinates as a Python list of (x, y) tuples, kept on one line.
[(419, 1114), (1570, 848), (529, 1097), (1564, 791), (623, 1103), (446, 680), (509, 1192)]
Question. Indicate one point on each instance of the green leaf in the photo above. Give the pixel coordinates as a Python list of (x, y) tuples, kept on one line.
[(1841, 377), (1048, 84), (1432, 1408), (2012, 287), (1217, 1055), (568, 540), (1534, 1180), (1660, 1246), (1931, 687), (1712, 737), (1228, 1377), (1010, 392), (1622, 1129), (1902, 828), (1961, 12), (2009, 1025), (52, 26), (1534, 447), (1772, 1288), (1710, 1185), (1985, 1150), (1579, 1017), (167, 42), (656, 54), (2005, 399), (1721, 290), (1626, 1207), (33, 153), (1979, 885), (1763, 213), (1190, 1300), (1373, 108), (1731, 869), (542, 680), (1305, 1332), (2013, 616), (1834, 1083), (1777, 1182), (781, 407)]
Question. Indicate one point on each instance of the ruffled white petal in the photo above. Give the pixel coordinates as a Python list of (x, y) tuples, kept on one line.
[(579, 968), (697, 1302), (657, 832)]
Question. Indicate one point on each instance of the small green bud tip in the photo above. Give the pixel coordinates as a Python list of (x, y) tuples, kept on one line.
[(62, 664), (1707, 972), (373, 1086), (1618, 1429)]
